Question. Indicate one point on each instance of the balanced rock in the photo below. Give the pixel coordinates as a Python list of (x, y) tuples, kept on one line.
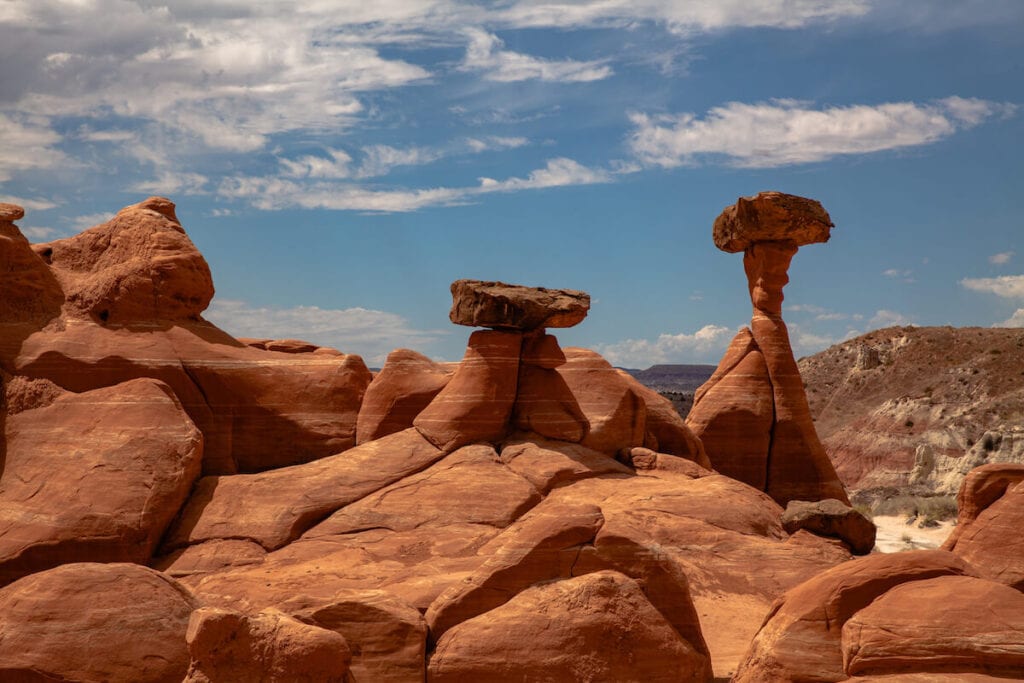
[(831, 517), (269, 647), (514, 307), (10, 212), (95, 622), (771, 217)]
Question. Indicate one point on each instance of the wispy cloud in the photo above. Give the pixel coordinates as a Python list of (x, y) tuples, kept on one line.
[(485, 53), (89, 220), (1006, 286), (29, 203), (372, 334), (706, 345), (787, 132), (27, 143), (277, 193), (169, 182), (886, 318), (1001, 259)]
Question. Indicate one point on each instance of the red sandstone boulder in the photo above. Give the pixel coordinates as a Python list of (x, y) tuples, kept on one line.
[(648, 462), (991, 516), (387, 637), (513, 307), (771, 217), (541, 546), (550, 464), (31, 293), (268, 647), (406, 385), (95, 622), (208, 557), (139, 266), (542, 350), (94, 477), (545, 405), (666, 431), (539, 635), (614, 410), (830, 517), (274, 508), (476, 405), (801, 639), (949, 624)]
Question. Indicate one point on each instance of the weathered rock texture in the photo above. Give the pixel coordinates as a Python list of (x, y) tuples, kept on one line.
[(914, 612), (95, 622), (406, 385), (830, 517), (122, 301), (514, 307), (268, 647), (758, 384), (94, 477)]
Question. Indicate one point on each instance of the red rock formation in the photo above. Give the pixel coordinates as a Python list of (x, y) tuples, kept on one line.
[(830, 517), (803, 637), (991, 516), (514, 307), (476, 405), (406, 385), (94, 477), (95, 622), (268, 647), (135, 287), (615, 412), (539, 634), (769, 228)]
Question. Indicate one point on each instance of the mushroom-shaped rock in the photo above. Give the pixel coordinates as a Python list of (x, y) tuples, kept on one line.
[(771, 217), (498, 305)]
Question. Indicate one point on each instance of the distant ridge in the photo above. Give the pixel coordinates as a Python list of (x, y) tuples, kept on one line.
[(673, 377)]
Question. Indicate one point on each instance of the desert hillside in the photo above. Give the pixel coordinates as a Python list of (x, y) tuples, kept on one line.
[(918, 407)]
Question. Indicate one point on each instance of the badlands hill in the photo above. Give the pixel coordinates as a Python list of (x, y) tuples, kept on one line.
[(913, 409), (177, 504)]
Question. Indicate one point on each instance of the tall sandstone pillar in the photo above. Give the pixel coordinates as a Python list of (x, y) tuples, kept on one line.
[(752, 415)]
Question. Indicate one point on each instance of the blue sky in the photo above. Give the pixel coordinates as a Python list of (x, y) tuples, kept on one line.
[(339, 163)]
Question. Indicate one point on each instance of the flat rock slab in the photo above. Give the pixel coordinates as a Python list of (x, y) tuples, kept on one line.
[(11, 212), (514, 307), (771, 217)]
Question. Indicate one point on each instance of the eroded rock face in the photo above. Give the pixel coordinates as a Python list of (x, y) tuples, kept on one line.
[(830, 517), (140, 266), (804, 636), (268, 647), (406, 385), (31, 293), (95, 622), (730, 410), (94, 477), (539, 635), (991, 516), (513, 307)]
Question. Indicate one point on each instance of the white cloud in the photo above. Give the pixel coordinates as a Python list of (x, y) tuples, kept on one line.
[(29, 204), (271, 193), (495, 142), (371, 334), (887, 318), (706, 345), (1015, 320), (339, 165), (39, 233), (168, 182), (1006, 286), (485, 54), (1001, 259), (556, 173), (785, 132), (90, 220), (27, 143), (378, 160)]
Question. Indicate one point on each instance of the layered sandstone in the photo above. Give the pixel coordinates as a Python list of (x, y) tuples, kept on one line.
[(514, 307)]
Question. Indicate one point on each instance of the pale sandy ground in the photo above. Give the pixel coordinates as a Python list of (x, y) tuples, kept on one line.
[(895, 535)]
